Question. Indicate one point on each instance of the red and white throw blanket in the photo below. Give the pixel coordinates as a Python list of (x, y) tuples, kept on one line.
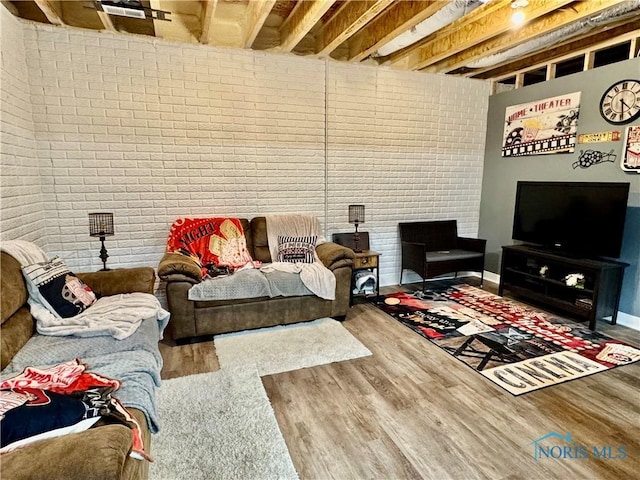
[(38, 386), (217, 242)]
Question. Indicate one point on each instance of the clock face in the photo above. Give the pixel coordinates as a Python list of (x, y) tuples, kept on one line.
[(621, 102)]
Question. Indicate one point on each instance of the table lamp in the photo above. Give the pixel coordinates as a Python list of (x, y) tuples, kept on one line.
[(356, 216), (101, 226)]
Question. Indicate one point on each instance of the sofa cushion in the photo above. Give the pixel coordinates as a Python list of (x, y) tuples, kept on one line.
[(16, 332), (14, 290), (297, 249), (97, 454), (59, 290), (260, 240)]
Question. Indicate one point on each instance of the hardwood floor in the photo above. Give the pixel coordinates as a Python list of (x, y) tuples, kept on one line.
[(412, 411)]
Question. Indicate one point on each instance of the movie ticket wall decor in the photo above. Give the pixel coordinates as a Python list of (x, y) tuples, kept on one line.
[(631, 154), (542, 127)]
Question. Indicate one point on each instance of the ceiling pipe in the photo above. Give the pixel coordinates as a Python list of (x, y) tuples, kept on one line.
[(605, 17), (443, 17)]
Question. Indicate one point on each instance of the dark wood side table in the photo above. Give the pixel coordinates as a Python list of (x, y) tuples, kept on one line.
[(365, 260)]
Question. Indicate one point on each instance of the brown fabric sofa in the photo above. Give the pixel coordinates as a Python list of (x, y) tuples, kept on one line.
[(193, 319), (101, 452)]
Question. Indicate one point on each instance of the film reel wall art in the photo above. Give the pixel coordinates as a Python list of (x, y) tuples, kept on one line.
[(543, 127)]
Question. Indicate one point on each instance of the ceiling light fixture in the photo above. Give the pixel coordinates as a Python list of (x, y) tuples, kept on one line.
[(518, 17)]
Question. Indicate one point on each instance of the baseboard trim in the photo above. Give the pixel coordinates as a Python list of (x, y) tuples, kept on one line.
[(628, 320)]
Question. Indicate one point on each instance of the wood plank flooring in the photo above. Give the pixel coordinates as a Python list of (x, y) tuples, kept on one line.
[(412, 411)]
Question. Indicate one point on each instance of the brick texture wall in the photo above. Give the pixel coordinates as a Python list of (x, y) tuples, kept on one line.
[(21, 205), (153, 131)]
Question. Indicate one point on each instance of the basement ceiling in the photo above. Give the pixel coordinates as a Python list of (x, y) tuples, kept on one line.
[(473, 38)]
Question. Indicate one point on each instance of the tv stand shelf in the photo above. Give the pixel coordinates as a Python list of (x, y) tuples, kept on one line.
[(522, 274)]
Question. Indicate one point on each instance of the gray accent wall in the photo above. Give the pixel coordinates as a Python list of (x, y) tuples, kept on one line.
[(500, 174)]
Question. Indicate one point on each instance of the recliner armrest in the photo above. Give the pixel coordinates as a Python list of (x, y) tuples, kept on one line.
[(473, 244), (120, 280), (335, 256), (175, 266)]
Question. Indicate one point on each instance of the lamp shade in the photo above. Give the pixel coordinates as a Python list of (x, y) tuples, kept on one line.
[(356, 214), (101, 224)]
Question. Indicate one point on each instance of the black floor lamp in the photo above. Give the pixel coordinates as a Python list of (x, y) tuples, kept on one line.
[(101, 226)]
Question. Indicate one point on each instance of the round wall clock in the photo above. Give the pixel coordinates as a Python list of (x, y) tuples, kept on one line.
[(621, 102)]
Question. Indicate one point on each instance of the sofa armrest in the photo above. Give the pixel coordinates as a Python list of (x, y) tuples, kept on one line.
[(121, 280), (178, 267), (335, 256), (473, 244)]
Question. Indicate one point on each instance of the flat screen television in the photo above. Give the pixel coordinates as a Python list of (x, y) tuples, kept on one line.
[(584, 219)]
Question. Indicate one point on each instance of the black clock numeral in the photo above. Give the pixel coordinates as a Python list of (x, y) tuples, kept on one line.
[(616, 89), (625, 85)]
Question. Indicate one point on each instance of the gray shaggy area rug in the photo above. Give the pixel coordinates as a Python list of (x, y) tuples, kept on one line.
[(220, 425), (289, 347)]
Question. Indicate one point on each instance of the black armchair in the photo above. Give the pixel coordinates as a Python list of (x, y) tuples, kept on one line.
[(434, 248)]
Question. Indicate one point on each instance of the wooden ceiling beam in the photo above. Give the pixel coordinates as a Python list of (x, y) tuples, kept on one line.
[(53, 13), (185, 25), (549, 23), (577, 45), (257, 13), (481, 24), (209, 9), (106, 21), (302, 19), (346, 22), (398, 18)]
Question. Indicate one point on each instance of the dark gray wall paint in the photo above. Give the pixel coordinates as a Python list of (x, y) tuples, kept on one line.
[(501, 174)]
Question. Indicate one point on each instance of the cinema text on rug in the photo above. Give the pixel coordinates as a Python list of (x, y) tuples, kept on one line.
[(516, 346)]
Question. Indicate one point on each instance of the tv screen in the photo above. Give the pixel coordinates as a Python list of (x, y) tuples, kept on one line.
[(576, 218)]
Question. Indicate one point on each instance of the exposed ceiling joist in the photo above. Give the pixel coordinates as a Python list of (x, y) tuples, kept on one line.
[(399, 18), (303, 18), (346, 22), (605, 34), (53, 11), (106, 21), (257, 13), (209, 8), (577, 12), (456, 37), (185, 25), (481, 24)]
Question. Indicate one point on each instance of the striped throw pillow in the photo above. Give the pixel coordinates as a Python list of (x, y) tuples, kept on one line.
[(297, 249)]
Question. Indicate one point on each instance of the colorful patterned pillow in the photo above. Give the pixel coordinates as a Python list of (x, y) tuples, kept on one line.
[(57, 289), (297, 249)]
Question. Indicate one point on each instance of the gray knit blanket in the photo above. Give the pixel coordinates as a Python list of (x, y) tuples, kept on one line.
[(135, 361), (249, 283)]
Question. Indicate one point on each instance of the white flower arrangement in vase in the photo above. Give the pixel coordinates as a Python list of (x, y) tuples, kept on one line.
[(575, 280)]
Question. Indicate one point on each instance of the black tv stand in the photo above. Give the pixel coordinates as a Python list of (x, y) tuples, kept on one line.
[(521, 275)]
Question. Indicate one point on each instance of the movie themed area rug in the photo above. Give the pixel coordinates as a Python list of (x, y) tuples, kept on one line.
[(519, 348)]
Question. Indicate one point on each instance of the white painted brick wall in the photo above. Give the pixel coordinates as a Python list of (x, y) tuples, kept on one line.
[(21, 214), (153, 131)]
